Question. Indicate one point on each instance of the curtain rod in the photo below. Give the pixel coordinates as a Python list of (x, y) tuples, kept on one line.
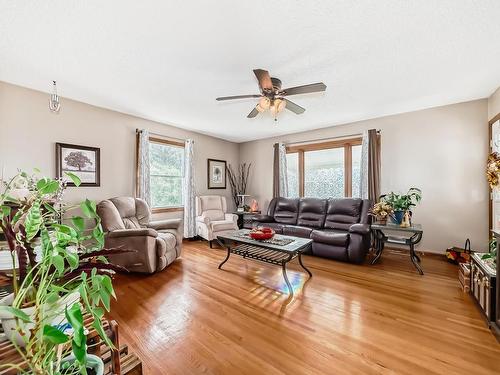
[(162, 135), (327, 139)]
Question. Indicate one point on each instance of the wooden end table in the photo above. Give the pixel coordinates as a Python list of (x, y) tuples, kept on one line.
[(387, 233)]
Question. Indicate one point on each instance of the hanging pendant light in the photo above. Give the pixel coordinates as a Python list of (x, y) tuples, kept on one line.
[(54, 103)]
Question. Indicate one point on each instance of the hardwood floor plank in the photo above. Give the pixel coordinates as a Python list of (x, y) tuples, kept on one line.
[(193, 318)]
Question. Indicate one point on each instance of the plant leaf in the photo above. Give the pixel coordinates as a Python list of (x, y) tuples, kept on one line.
[(74, 178), (72, 259), (53, 335), (88, 208), (58, 262), (105, 298), (18, 313), (33, 221), (78, 222), (106, 281)]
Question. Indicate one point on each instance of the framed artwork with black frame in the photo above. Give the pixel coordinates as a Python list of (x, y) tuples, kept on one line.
[(216, 174), (83, 161)]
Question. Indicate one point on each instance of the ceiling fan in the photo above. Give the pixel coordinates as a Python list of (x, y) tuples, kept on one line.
[(272, 97)]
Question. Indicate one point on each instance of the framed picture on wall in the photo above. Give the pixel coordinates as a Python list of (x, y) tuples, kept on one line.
[(83, 161), (216, 170)]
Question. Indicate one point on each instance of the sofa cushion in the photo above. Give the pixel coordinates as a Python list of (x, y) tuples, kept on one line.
[(110, 216), (329, 251), (277, 227), (214, 215), (342, 213), (312, 212), (330, 237), (286, 211), (220, 225), (297, 231)]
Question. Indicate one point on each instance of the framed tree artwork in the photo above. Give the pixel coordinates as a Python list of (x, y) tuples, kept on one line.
[(216, 174), (83, 161)]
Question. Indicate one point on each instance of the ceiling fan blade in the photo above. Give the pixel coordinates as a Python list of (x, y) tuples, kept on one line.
[(253, 113), (304, 89), (264, 79), (237, 97), (295, 108)]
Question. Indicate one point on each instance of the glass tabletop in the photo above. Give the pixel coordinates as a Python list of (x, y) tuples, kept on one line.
[(241, 236), (415, 228)]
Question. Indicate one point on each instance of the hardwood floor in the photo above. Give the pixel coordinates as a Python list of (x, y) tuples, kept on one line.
[(192, 318)]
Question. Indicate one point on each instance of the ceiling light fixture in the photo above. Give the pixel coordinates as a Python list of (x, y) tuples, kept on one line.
[(277, 107), (54, 103), (264, 103)]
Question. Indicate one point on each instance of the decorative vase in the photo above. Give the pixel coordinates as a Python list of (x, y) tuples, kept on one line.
[(381, 220), (406, 220), (398, 216)]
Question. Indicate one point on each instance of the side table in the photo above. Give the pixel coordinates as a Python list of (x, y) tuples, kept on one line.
[(387, 233), (245, 219)]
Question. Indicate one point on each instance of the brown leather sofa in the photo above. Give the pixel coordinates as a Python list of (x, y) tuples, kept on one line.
[(339, 228), (127, 224)]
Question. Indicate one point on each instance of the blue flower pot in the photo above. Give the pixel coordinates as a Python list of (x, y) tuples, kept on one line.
[(398, 217)]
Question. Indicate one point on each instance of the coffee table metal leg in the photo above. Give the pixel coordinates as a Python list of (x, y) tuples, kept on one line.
[(227, 257), (290, 289), (302, 264)]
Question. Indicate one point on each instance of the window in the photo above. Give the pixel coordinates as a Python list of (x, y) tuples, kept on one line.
[(324, 170), (166, 159)]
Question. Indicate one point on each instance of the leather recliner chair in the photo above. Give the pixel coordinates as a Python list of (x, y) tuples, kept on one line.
[(127, 224), (339, 228)]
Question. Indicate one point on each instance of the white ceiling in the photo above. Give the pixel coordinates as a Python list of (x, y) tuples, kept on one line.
[(168, 60)]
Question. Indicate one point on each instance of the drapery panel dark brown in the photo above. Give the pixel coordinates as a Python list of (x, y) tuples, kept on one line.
[(373, 165)]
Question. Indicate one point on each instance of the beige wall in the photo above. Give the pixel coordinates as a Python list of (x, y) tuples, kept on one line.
[(28, 132), (441, 150), (494, 104)]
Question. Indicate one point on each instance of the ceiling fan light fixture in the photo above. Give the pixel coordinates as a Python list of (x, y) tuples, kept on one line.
[(277, 106), (264, 103)]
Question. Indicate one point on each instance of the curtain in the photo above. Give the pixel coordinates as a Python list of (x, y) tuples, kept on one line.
[(143, 188), (370, 166), (188, 190), (280, 182)]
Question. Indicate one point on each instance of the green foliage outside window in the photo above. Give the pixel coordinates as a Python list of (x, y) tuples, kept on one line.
[(166, 174)]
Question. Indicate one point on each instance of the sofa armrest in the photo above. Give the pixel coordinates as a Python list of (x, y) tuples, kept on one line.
[(165, 224), (133, 232), (263, 218), (361, 229), (232, 217), (203, 219)]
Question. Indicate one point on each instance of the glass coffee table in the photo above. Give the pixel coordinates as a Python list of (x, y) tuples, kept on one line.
[(279, 250)]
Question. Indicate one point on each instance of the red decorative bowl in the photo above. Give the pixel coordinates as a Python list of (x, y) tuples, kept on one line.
[(260, 234)]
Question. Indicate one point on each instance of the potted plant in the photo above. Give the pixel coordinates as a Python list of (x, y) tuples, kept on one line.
[(381, 211), (491, 256), (63, 275), (402, 202)]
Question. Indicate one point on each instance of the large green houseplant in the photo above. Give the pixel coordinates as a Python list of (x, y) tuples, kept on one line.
[(63, 274), (401, 203)]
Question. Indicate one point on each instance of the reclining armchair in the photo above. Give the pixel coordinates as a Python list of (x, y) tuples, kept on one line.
[(212, 217), (127, 224)]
